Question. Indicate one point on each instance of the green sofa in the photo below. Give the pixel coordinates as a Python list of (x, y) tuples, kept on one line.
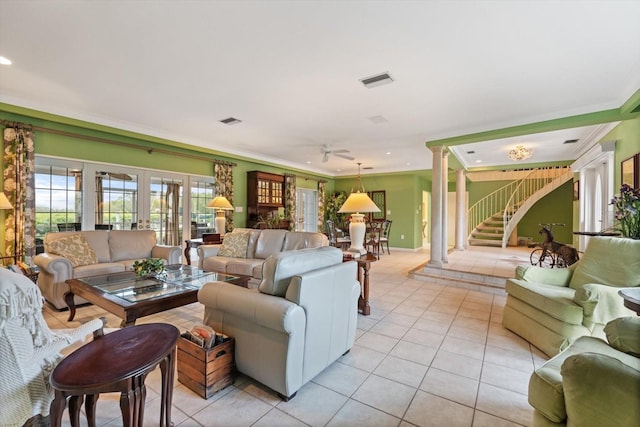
[(591, 383), (551, 308)]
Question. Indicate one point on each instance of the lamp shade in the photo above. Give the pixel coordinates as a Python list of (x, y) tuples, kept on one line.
[(220, 202), (358, 202), (4, 202)]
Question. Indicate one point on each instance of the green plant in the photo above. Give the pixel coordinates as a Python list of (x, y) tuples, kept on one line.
[(148, 266), (270, 221), (333, 204), (627, 211)]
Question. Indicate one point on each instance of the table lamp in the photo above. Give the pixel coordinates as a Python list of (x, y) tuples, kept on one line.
[(355, 204), (221, 204)]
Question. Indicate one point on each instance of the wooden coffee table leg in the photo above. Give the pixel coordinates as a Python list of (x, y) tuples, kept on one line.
[(167, 367), (75, 403), (57, 408), (364, 304), (69, 300), (127, 406)]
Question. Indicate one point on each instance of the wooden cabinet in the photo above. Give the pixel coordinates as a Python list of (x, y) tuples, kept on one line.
[(265, 194)]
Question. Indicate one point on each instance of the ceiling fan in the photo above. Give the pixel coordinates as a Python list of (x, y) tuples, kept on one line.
[(326, 150)]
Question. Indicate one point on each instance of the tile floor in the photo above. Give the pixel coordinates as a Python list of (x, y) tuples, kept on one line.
[(428, 355)]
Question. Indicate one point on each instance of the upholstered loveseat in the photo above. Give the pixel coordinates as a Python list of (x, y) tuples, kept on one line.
[(591, 383), (245, 250), (78, 254), (302, 317), (551, 308)]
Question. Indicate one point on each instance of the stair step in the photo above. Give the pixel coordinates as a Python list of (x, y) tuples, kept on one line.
[(491, 236), (486, 229), (485, 242)]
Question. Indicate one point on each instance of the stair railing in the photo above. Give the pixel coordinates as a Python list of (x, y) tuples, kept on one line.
[(535, 181), (507, 199)]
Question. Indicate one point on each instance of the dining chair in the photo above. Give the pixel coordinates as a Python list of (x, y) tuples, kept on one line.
[(384, 237), (69, 226), (374, 234)]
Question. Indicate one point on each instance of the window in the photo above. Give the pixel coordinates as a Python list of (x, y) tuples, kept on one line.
[(58, 191), (202, 217), (116, 200)]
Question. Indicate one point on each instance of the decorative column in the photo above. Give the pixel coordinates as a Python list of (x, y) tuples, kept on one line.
[(445, 207), (436, 208), (461, 210)]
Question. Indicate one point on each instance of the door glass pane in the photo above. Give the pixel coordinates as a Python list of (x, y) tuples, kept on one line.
[(165, 218), (202, 217), (116, 200)]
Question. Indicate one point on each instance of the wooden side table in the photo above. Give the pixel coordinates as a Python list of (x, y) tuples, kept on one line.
[(364, 265), (119, 361)]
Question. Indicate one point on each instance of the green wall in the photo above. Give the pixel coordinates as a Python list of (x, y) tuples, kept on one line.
[(627, 135), (556, 207)]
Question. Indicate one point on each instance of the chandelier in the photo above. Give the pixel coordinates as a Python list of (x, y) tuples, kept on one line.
[(520, 153)]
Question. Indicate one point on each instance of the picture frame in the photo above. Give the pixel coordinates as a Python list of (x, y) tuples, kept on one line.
[(576, 190), (629, 171)]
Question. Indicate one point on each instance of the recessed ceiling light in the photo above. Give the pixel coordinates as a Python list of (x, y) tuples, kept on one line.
[(388, 152), (478, 161), (230, 121), (308, 162), (5, 61), (408, 164), (377, 80), (378, 120), (338, 170)]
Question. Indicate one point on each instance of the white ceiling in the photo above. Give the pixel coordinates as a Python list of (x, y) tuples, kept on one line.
[(290, 71)]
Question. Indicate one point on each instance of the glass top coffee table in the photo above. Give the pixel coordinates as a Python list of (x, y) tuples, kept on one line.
[(130, 297)]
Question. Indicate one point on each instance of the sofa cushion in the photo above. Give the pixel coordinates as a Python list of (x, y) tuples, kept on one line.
[(234, 245), (99, 242), (556, 301), (295, 240), (278, 269), (609, 261), (623, 334), (75, 248), (131, 244), (269, 242), (97, 269), (243, 266)]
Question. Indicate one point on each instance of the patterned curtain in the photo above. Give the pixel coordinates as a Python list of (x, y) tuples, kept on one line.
[(172, 225), (18, 174), (223, 174), (290, 200), (321, 197)]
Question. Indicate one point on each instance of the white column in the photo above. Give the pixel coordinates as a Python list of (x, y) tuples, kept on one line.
[(461, 211), (445, 207), (436, 208)]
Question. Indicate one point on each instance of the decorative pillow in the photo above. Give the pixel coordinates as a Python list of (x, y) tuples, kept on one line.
[(623, 334), (75, 248), (234, 245)]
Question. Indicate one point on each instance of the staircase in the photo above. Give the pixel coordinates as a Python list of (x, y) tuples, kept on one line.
[(495, 217)]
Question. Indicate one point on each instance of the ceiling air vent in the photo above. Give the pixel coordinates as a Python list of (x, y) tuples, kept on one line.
[(377, 80), (570, 141), (471, 152), (230, 121)]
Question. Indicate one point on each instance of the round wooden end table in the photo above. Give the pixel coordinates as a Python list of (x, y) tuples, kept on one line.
[(117, 362)]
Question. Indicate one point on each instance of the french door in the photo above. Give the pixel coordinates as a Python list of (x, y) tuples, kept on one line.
[(306, 210)]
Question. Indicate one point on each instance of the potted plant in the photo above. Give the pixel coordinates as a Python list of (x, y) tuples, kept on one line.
[(148, 266), (627, 212)]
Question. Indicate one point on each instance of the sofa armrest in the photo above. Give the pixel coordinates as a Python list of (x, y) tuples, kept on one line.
[(600, 304), (548, 276), (265, 310), (206, 251), (600, 390), (173, 254), (55, 265)]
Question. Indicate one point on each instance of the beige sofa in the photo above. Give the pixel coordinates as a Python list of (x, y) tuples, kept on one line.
[(77, 254), (302, 317), (260, 244)]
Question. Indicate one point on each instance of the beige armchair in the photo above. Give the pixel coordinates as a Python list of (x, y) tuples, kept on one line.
[(301, 318), (29, 350)]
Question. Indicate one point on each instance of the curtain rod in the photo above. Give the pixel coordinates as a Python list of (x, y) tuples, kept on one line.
[(306, 177), (109, 141)]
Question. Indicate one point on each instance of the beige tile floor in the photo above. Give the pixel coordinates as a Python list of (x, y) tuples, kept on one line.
[(428, 355)]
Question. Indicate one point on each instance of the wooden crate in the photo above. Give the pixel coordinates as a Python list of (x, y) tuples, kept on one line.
[(205, 371)]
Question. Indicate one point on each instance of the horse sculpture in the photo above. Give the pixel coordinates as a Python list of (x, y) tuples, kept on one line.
[(565, 254)]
